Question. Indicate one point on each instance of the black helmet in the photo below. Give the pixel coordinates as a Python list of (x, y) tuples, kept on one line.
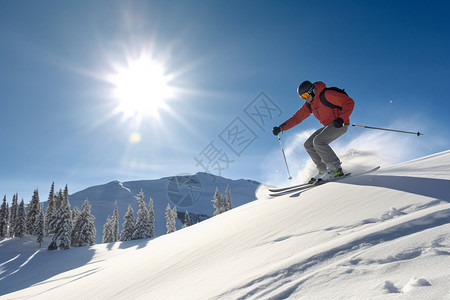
[(306, 87)]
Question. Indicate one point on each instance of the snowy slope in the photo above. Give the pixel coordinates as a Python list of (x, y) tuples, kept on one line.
[(380, 235), (194, 196)]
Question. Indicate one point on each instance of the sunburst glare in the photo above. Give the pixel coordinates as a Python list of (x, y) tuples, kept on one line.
[(141, 88)]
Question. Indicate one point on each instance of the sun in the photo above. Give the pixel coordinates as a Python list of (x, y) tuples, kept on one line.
[(141, 88)]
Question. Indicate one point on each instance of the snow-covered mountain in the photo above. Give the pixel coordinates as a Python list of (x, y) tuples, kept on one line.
[(192, 193), (383, 235)]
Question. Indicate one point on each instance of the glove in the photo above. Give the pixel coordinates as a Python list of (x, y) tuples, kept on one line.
[(338, 123), (276, 130)]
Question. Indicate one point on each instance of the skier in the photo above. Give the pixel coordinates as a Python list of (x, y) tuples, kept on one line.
[(332, 107)]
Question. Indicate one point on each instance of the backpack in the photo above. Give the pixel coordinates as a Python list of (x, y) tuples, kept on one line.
[(325, 101)]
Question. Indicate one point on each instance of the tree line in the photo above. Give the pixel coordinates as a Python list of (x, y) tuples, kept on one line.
[(75, 228)]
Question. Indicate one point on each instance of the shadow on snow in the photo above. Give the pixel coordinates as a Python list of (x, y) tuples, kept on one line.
[(428, 187)]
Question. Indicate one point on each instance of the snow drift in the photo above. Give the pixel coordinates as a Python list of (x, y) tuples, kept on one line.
[(383, 234)]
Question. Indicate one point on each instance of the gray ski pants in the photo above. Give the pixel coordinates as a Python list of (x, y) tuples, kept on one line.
[(319, 150)]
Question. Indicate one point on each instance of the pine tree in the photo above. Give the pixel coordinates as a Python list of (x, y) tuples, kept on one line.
[(128, 225), (51, 211), (57, 203), (174, 216), (13, 215), (63, 224), (187, 220), (171, 215), (4, 219), (218, 203), (33, 211), (59, 198), (75, 213), (108, 231), (39, 226), (115, 220), (66, 193), (228, 203), (67, 225), (142, 229), (84, 231), (20, 226), (151, 218)]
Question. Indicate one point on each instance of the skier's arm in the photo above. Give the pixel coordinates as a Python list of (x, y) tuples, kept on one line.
[(297, 118)]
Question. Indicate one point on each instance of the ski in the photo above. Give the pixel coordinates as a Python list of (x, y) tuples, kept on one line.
[(305, 186), (292, 190), (301, 187), (288, 187)]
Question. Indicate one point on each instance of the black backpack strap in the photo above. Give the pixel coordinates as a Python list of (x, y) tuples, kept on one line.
[(326, 102), (309, 106)]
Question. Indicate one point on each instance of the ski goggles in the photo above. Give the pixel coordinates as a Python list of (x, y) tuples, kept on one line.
[(305, 95)]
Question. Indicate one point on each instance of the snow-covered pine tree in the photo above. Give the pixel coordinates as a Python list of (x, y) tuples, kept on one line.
[(227, 201), (20, 226), (108, 231), (115, 221), (218, 203), (76, 212), (33, 211), (142, 228), (171, 215), (174, 216), (13, 215), (84, 231), (59, 198), (66, 192), (51, 211), (39, 230), (4, 219), (151, 217), (63, 224), (57, 202), (128, 225), (187, 220)]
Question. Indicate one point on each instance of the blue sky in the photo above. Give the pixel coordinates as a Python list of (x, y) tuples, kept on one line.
[(59, 116)]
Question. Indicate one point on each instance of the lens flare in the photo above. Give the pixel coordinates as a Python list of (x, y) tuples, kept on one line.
[(135, 138)]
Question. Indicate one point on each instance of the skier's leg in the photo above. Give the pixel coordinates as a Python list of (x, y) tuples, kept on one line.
[(309, 146), (321, 146)]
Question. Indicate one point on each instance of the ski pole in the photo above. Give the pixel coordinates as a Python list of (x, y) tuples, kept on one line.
[(386, 129), (284, 156)]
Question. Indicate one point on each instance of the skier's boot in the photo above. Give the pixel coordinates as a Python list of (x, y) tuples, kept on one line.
[(329, 176), (334, 171), (316, 177)]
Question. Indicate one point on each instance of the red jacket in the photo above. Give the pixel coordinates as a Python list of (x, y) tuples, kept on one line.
[(326, 115)]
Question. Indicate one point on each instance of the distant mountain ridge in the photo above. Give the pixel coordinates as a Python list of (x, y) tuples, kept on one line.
[(192, 193)]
